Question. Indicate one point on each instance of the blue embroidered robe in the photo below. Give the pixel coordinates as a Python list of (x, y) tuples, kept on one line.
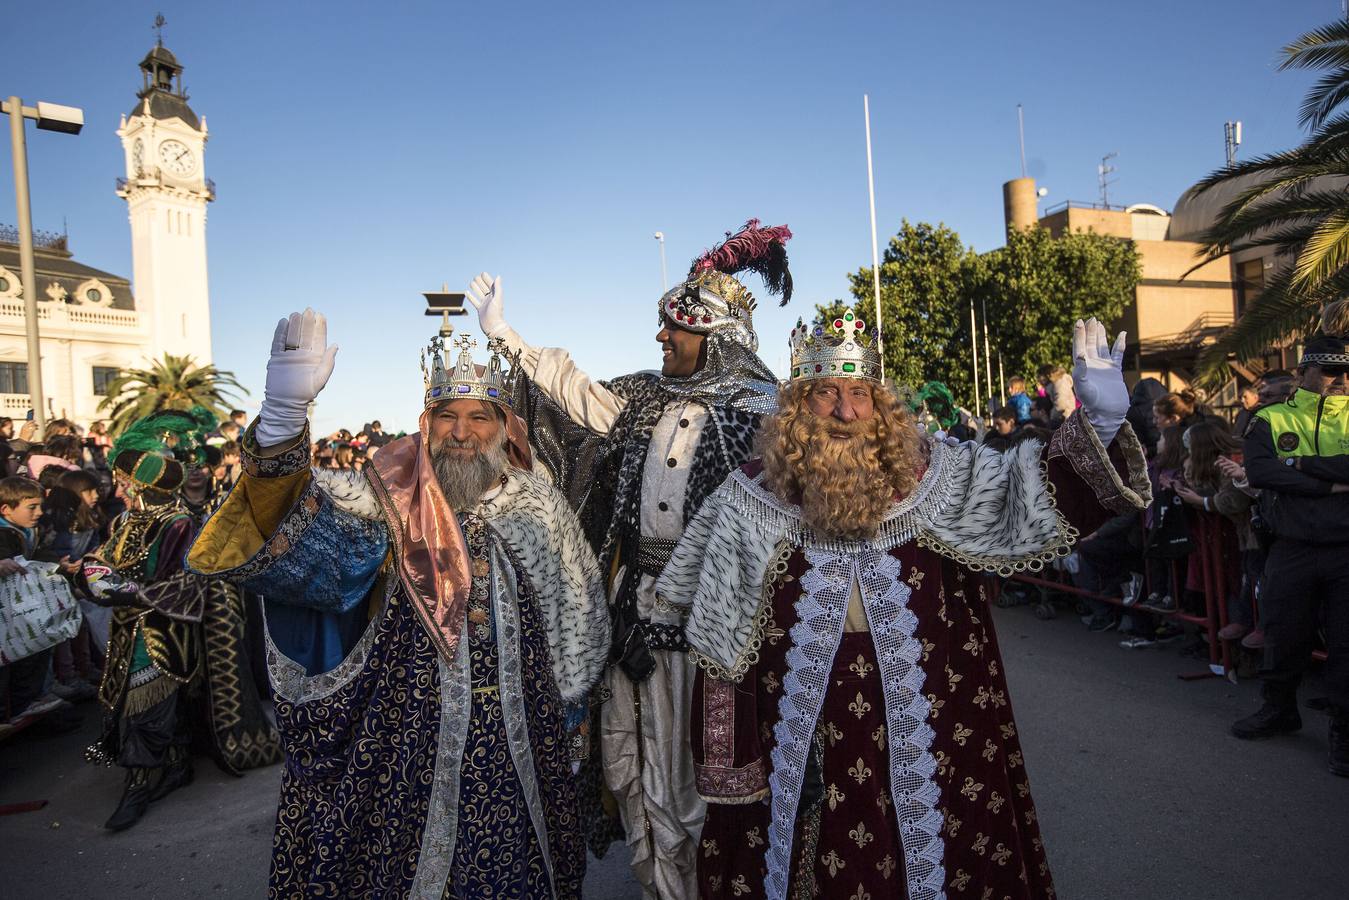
[(408, 774)]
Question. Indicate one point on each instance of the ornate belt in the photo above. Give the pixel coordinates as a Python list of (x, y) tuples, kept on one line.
[(653, 554), (664, 637)]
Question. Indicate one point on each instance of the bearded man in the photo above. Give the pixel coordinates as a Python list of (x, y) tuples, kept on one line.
[(433, 624), (852, 729), (637, 455)]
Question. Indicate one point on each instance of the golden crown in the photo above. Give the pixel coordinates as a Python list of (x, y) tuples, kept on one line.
[(836, 348), (466, 380)]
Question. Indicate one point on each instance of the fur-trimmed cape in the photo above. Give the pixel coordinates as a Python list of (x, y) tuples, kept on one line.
[(544, 536)]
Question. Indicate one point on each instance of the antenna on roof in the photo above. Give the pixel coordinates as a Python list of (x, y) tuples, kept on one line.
[(1103, 172), (1232, 138), (160, 22)]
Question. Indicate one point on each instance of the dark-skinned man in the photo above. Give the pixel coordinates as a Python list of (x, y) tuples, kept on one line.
[(660, 443), (1297, 452)]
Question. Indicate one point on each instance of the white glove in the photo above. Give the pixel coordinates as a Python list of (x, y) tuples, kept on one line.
[(485, 295), (300, 366), (1098, 378)]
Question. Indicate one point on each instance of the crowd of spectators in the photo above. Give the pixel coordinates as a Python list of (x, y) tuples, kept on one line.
[(1144, 568), (57, 500)]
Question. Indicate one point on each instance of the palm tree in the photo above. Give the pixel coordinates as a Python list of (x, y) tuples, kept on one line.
[(174, 382), (1296, 202)]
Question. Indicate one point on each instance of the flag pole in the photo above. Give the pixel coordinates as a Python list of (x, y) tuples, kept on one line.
[(875, 255)]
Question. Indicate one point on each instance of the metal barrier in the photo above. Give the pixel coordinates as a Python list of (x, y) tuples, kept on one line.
[(1210, 542)]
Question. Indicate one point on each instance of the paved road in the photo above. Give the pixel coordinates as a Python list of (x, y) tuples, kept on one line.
[(1142, 795)]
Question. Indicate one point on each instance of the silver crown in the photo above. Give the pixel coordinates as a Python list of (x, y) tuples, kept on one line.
[(837, 348), (466, 380)]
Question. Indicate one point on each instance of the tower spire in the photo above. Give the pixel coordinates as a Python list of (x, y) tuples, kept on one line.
[(160, 22)]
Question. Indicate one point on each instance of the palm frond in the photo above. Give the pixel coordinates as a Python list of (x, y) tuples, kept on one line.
[(1326, 251), (1280, 311), (1323, 97), (169, 383), (1319, 48)]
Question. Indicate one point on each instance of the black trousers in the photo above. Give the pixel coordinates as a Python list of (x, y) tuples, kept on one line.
[(1306, 586), (147, 736)]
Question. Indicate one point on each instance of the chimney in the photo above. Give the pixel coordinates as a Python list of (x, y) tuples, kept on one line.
[(1018, 203)]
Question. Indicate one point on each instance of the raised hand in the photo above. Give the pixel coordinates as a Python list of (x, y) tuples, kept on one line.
[(1098, 378), (485, 295), (300, 365)]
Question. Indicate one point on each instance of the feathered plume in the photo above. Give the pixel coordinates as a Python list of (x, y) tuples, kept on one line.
[(759, 250), (188, 428)]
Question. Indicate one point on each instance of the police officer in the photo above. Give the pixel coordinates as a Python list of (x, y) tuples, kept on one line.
[(1297, 452)]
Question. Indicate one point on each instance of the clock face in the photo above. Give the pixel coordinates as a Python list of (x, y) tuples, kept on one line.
[(138, 156), (177, 157)]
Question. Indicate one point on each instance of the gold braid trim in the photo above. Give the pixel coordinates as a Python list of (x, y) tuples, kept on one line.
[(139, 699), (776, 572), (1062, 544)]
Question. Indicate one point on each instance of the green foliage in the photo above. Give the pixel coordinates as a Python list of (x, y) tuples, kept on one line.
[(1037, 286), (174, 382), (1295, 202), (1032, 290), (924, 301)]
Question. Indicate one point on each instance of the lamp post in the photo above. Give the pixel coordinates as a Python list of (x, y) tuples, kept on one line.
[(49, 117), (664, 282), (445, 303)]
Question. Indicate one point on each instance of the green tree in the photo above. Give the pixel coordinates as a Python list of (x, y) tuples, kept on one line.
[(1032, 291), (174, 382), (1295, 202), (1037, 286), (924, 304)]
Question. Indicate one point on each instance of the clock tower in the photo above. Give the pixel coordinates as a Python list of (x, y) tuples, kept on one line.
[(166, 190)]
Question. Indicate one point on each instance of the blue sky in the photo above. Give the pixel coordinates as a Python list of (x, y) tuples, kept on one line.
[(366, 152)]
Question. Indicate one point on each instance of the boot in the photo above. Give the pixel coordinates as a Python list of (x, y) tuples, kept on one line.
[(178, 773), (1339, 744), (135, 800), (1277, 716)]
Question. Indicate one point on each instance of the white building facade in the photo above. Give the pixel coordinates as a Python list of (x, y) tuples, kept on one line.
[(91, 324)]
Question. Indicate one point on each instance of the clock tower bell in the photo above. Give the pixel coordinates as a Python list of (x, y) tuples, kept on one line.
[(166, 190)]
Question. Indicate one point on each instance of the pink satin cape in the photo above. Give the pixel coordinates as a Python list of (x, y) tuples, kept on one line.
[(429, 544)]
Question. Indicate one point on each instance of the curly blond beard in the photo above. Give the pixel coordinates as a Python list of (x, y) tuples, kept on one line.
[(844, 486)]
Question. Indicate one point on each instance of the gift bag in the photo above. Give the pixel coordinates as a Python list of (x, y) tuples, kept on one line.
[(37, 611)]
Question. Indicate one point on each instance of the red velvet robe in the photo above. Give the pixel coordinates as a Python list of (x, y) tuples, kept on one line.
[(925, 797)]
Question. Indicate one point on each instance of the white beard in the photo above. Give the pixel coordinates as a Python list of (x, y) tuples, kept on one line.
[(464, 481)]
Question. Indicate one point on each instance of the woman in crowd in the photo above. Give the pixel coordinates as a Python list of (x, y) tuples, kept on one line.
[(1225, 511), (1179, 408)]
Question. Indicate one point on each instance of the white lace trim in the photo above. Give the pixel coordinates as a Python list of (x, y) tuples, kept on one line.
[(912, 765), (442, 816), (826, 586), (289, 680)]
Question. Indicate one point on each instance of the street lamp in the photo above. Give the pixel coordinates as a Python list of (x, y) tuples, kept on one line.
[(664, 282), (49, 117), (445, 303)]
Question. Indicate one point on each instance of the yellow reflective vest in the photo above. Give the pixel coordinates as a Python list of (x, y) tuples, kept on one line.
[(1308, 424)]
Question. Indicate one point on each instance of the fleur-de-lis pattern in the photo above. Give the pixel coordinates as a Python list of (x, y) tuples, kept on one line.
[(987, 824)]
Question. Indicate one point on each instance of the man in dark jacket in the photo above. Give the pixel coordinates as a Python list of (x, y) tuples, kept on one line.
[(1141, 415), (1297, 452)]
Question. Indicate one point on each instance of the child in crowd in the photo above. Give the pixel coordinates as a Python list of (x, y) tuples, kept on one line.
[(1018, 399), (999, 437), (70, 529), (25, 680)]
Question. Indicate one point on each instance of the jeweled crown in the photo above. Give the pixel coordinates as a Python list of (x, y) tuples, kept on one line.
[(839, 347), (463, 379)]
